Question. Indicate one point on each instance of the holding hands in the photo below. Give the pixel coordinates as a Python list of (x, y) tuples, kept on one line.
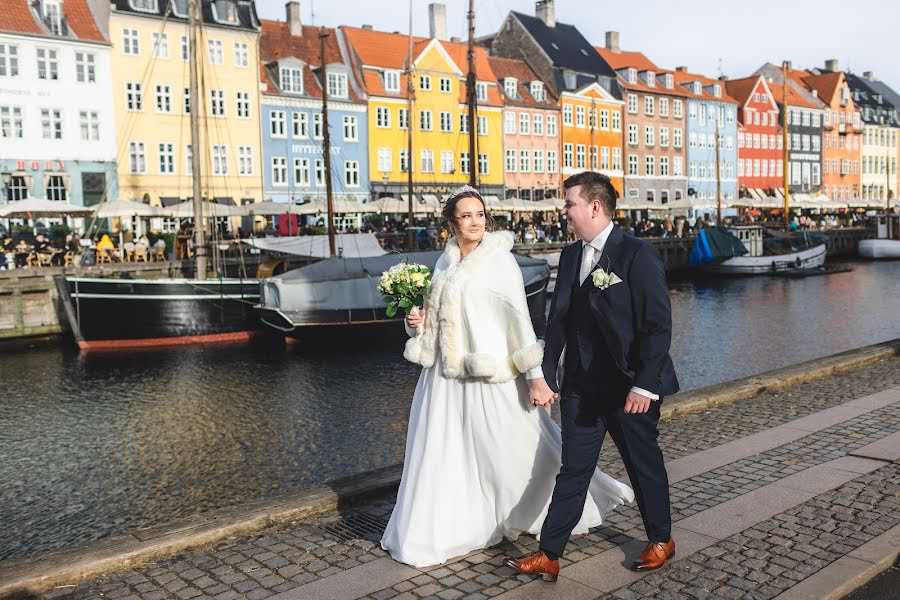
[(540, 393)]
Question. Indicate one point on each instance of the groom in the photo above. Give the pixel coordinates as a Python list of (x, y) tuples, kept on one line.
[(611, 314)]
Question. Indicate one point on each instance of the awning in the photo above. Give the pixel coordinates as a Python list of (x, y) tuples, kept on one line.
[(340, 205), (32, 207), (169, 200), (210, 209), (127, 208), (268, 209), (348, 245)]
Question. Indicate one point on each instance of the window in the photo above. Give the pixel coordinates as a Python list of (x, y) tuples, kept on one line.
[(9, 60), (185, 52), (446, 161), (187, 101), (677, 109), (403, 118), (649, 165), (632, 134), (241, 55), (160, 44), (337, 85), (382, 117), (509, 122), (317, 126), (137, 159), (16, 189), (245, 160), (604, 157), (676, 137), (663, 137), (47, 64), (220, 160), (537, 122), (166, 158), (216, 52), (568, 157), (85, 70), (482, 125), (632, 164), (188, 160), (464, 123), (445, 85), (320, 171), (663, 166), (90, 125), (242, 101), (649, 134), (56, 188), (291, 80), (134, 96), (217, 103), (511, 165), (481, 95), (163, 99), (579, 116), (392, 81), (632, 75), (464, 162), (446, 121), (580, 156), (567, 114), (677, 169), (632, 104), (301, 171), (551, 161), (510, 87), (351, 173), (604, 119), (425, 120), (592, 118), (130, 41), (11, 122), (425, 82), (385, 160), (551, 125), (279, 170), (649, 105), (537, 91), (277, 124), (483, 165), (524, 161), (538, 161), (426, 160), (524, 123), (350, 129), (692, 139), (664, 107)]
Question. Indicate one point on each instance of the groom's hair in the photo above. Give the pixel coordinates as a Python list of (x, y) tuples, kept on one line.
[(595, 186)]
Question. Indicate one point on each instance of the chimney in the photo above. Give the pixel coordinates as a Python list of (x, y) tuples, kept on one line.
[(437, 20), (367, 27), (832, 65), (612, 41), (456, 40), (546, 12), (293, 18), (681, 69), (789, 65), (869, 75)]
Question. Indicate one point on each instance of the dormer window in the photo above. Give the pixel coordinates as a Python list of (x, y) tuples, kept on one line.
[(537, 91), (698, 88), (481, 91), (670, 81), (225, 11), (651, 78), (717, 91), (179, 8), (392, 81), (337, 85), (510, 87), (291, 80), (52, 16), (569, 78), (148, 6), (632, 75)]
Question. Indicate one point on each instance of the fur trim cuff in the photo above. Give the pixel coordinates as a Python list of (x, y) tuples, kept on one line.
[(529, 357), (480, 365), (413, 351)]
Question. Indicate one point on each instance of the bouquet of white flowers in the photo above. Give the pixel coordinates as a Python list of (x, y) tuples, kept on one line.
[(404, 286)]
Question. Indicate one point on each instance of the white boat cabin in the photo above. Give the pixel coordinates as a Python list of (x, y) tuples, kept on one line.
[(751, 236), (888, 226)]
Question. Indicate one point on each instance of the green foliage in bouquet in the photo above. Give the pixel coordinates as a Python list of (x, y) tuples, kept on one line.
[(404, 286)]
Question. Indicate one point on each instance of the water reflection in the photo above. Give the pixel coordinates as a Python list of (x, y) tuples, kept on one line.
[(94, 444)]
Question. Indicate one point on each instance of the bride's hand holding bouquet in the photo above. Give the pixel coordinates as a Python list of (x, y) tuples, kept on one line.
[(404, 286)]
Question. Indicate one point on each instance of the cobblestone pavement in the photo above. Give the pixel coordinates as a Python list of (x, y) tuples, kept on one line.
[(760, 561)]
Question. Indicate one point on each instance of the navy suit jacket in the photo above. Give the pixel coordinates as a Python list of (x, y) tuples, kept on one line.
[(634, 316)]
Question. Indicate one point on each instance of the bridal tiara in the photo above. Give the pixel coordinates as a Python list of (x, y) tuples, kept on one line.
[(466, 188)]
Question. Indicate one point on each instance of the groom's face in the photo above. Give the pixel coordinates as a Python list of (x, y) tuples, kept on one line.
[(584, 216)]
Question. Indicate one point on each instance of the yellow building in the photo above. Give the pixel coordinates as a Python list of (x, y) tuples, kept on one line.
[(151, 88), (440, 144)]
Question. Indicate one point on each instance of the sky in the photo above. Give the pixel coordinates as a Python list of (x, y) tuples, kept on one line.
[(710, 37)]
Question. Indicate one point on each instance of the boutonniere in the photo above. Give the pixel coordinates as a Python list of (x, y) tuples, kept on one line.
[(603, 279)]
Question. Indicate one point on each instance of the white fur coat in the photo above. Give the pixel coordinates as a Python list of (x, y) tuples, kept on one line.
[(477, 316)]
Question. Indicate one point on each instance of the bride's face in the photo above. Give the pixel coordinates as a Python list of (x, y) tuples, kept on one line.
[(469, 220)]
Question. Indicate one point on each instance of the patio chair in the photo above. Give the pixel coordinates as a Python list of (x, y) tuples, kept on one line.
[(128, 252), (140, 253)]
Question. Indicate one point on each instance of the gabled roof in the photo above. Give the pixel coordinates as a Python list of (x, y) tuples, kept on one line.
[(521, 71), (276, 43), (887, 91), (876, 113), (246, 13), (794, 98), (825, 84), (379, 48), (742, 89), (19, 17), (565, 46), (624, 59), (637, 60), (683, 78)]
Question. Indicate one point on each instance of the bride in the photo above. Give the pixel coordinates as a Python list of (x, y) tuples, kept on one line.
[(481, 460)]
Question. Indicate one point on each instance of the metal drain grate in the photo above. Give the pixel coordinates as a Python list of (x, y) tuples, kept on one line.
[(356, 526)]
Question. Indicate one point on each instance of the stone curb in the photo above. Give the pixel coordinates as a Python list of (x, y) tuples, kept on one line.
[(37, 574)]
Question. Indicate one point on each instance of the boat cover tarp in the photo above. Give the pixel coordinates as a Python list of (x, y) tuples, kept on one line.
[(714, 245), (348, 245), (778, 242)]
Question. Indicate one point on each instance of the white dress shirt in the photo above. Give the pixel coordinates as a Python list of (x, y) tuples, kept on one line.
[(589, 260)]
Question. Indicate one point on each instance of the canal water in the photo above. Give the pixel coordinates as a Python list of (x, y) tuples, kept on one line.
[(92, 445)]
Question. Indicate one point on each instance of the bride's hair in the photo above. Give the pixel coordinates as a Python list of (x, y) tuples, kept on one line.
[(449, 212)]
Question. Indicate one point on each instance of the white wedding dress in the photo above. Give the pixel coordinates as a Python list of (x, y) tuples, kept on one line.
[(480, 465)]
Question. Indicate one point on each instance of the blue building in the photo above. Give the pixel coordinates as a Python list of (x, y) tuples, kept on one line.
[(291, 113), (710, 110)]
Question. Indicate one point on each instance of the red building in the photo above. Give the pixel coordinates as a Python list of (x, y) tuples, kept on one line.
[(759, 142)]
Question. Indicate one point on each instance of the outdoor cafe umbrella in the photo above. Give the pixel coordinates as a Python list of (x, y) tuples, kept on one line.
[(341, 206), (32, 208), (391, 206), (210, 209), (128, 208), (271, 209)]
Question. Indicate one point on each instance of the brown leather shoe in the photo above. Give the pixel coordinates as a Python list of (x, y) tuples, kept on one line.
[(654, 556), (536, 564)]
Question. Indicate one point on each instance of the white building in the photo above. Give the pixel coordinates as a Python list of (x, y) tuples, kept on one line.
[(57, 125)]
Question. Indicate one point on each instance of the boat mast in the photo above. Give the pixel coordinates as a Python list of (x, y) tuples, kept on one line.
[(410, 233), (326, 142), (784, 139), (718, 177), (471, 99), (199, 221)]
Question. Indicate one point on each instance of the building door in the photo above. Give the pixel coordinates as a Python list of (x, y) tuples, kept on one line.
[(92, 187)]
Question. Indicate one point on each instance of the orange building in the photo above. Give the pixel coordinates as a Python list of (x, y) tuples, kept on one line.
[(592, 133)]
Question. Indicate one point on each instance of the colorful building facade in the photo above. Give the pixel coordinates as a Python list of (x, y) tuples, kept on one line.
[(592, 133), (878, 157), (760, 144)]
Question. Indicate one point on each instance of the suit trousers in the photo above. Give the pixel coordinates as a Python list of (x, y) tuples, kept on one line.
[(588, 414)]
